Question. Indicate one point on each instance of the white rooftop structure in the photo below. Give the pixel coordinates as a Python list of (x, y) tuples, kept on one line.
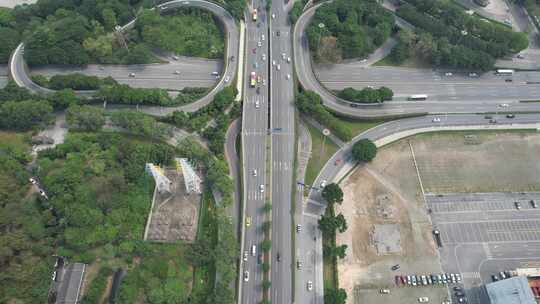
[(191, 179), (163, 183)]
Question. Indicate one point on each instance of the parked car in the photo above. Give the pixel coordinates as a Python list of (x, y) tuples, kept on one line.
[(423, 299), (385, 291), (395, 267), (518, 205)]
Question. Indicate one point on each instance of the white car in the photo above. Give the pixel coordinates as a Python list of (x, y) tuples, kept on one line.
[(254, 172), (264, 82), (309, 285), (131, 74), (473, 75), (273, 62), (264, 57), (32, 180), (245, 255), (283, 56), (273, 16), (259, 43), (262, 37), (423, 299), (436, 119), (288, 59), (288, 76), (257, 104), (278, 67), (448, 74), (261, 188), (177, 72), (227, 78), (504, 105), (323, 183), (175, 57), (246, 275)]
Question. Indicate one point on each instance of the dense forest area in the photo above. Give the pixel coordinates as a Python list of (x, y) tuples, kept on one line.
[(81, 32), (348, 29), (446, 36)]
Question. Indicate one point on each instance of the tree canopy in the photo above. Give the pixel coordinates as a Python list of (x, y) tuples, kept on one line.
[(364, 150), (332, 193)]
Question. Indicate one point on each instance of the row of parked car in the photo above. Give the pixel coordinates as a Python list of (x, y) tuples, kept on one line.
[(502, 275), (429, 279)]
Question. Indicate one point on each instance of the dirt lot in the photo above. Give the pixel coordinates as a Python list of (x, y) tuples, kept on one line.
[(491, 162), (363, 272), (448, 162), (175, 215)]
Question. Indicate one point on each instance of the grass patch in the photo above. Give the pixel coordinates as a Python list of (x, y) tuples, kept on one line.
[(319, 154), (411, 62), (358, 127)]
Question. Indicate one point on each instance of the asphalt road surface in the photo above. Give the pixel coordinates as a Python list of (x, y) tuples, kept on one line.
[(3, 75), (22, 78), (254, 149), (192, 72), (484, 233), (283, 151)]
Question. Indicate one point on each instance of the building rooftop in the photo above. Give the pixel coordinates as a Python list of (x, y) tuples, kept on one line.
[(514, 290)]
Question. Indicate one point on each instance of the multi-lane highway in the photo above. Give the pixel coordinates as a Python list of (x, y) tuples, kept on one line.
[(173, 75), (283, 138), (254, 151)]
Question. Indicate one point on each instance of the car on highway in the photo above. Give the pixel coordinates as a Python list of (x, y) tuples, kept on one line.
[(273, 62), (278, 257), (215, 73), (493, 121), (473, 75), (277, 33), (264, 57), (298, 228), (176, 72), (278, 67), (288, 76), (255, 170), (298, 265), (257, 105), (283, 56), (520, 56), (175, 57), (459, 294), (289, 59), (458, 277), (227, 78), (248, 221), (261, 188), (504, 105), (259, 44), (508, 80), (462, 300), (253, 250), (436, 119), (262, 37), (533, 204), (309, 285), (423, 299), (448, 74), (518, 205), (245, 256), (259, 79), (274, 16), (246, 276), (323, 183), (132, 75), (384, 291), (510, 115)]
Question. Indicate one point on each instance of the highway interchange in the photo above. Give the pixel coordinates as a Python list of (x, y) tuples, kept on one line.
[(269, 109)]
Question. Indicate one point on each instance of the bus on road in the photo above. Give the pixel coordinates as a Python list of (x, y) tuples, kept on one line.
[(253, 79), (418, 97), (503, 72)]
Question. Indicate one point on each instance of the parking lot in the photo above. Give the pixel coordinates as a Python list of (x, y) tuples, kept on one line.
[(485, 233)]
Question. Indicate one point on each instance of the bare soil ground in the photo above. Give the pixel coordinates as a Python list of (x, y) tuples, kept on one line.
[(362, 273), (493, 162), (175, 216), (448, 162)]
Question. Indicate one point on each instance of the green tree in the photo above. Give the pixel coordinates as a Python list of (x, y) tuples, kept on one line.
[(332, 193), (335, 296), (265, 267), (24, 115), (267, 207), (333, 251), (10, 40), (109, 19), (63, 99), (364, 150), (85, 118), (266, 226), (266, 245), (266, 284)]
